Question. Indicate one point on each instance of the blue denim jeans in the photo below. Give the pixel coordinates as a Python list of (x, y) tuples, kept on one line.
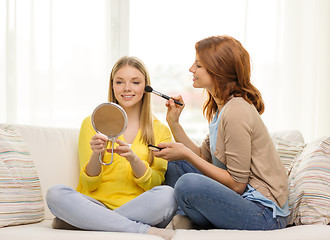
[(210, 204), (155, 207), (175, 169)]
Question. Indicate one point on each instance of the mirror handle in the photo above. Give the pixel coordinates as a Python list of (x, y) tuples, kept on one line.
[(100, 156)]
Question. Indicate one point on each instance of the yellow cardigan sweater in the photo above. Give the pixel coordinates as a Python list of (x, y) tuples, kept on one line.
[(116, 184)]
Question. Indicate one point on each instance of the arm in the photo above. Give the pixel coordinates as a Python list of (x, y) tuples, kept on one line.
[(177, 151), (98, 145), (90, 167), (155, 174), (172, 118), (234, 135), (85, 135), (218, 174)]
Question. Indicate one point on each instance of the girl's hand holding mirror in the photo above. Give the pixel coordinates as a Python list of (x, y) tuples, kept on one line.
[(99, 143), (125, 151)]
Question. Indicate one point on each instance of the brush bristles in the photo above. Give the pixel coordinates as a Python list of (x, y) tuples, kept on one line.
[(148, 89)]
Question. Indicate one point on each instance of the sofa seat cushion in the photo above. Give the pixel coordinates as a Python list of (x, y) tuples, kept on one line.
[(306, 232), (44, 231)]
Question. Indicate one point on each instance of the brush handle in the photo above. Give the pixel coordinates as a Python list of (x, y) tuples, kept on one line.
[(177, 102), (166, 97)]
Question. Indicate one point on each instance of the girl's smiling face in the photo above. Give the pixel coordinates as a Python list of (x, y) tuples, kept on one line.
[(201, 78), (128, 87)]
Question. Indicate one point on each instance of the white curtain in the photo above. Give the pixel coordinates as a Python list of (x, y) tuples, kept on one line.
[(56, 55), (288, 41), (56, 58), (291, 63)]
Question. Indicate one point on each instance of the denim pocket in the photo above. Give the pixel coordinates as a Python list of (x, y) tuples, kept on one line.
[(271, 223), (262, 208), (276, 225), (279, 223)]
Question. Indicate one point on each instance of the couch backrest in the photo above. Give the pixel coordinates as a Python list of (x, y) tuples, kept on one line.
[(290, 135), (55, 153)]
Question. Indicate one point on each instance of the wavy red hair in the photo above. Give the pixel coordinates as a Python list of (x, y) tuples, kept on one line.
[(228, 63)]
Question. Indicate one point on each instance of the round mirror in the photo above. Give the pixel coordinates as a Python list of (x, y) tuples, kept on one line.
[(109, 119)]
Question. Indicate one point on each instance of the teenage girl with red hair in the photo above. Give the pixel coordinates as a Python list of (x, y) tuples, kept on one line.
[(235, 179)]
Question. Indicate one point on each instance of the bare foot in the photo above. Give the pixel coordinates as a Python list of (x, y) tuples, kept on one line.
[(169, 225), (167, 234), (181, 222)]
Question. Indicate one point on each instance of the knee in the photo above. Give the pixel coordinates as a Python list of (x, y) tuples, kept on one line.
[(166, 196), (165, 192), (55, 194), (188, 183), (187, 180)]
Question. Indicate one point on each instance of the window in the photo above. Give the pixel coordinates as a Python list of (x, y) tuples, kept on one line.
[(56, 56), (163, 35)]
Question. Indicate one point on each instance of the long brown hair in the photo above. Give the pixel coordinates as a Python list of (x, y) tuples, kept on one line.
[(146, 116), (228, 63)]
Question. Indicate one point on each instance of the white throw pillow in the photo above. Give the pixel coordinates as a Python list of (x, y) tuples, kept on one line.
[(21, 199)]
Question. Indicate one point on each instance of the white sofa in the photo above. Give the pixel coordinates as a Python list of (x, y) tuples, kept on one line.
[(55, 153)]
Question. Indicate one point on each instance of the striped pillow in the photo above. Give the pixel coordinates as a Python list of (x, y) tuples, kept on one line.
[(21, 199), (309, 185), (288, 151)]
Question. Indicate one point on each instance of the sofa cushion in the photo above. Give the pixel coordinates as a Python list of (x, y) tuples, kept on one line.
[(309, 185), (21, 199), (307, 232), (44, 231)]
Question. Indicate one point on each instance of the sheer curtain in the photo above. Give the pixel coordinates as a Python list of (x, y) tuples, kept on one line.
[(291, 60), (56, 56), (288, 42)]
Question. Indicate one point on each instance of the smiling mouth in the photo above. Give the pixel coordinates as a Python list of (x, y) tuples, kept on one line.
[(127, 96)]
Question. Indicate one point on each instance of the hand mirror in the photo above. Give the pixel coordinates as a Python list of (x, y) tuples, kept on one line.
[(109, 119)]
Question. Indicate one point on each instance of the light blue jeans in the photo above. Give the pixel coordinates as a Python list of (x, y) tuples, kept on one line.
[(210, 204), (155, 207)]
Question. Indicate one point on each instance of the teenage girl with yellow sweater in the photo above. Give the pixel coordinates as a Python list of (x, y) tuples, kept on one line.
[(125, 196)]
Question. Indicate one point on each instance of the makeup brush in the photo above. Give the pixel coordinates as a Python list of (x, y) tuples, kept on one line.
[(149, 89)]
